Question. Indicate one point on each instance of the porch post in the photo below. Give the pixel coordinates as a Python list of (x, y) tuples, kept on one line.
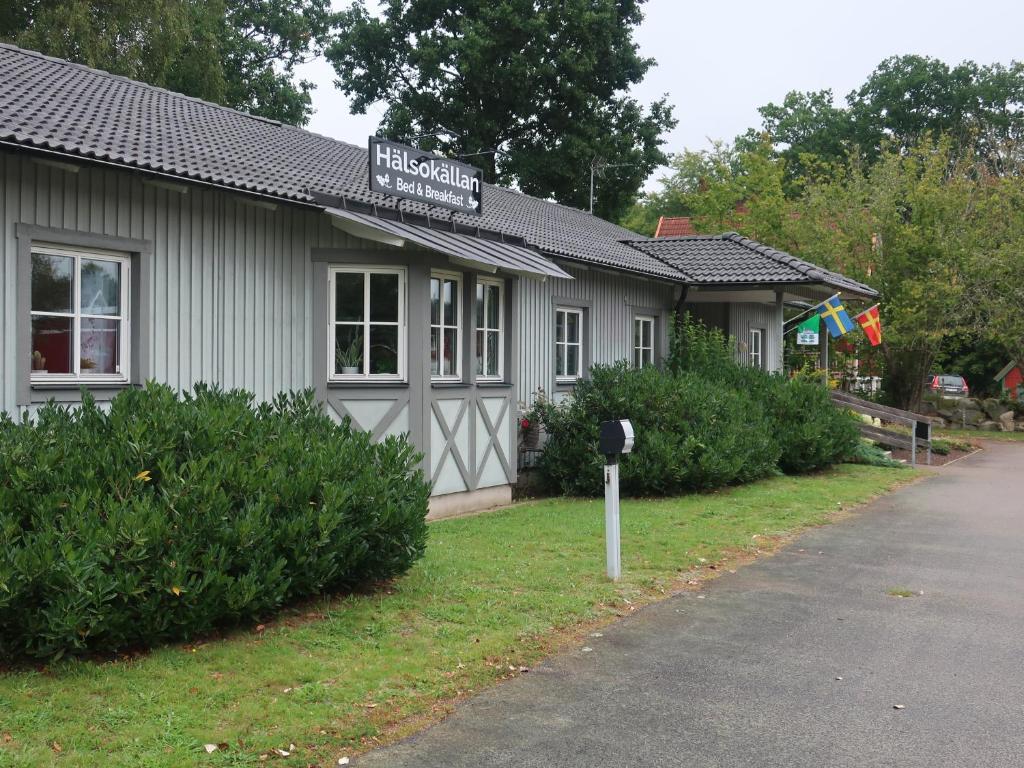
[(780, 321)]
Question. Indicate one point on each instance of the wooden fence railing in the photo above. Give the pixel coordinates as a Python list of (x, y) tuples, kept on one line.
[(920, 426)]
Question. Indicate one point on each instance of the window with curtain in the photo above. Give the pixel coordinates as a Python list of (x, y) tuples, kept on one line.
[(79, 315), (568, 344), (445, 326), (489, 337)]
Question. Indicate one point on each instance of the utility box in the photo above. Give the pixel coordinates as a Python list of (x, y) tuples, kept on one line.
[(616, 437)]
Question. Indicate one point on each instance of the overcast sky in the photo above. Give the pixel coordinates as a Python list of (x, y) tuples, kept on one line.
[(719, 61)]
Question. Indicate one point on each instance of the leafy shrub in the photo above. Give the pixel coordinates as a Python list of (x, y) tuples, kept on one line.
[(690, 434), (812, 433), (706, 422), (872, 455), (166, 517)]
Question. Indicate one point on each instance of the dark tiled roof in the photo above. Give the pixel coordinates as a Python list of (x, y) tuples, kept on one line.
[(53, 104), (674, 226), (732, 258)]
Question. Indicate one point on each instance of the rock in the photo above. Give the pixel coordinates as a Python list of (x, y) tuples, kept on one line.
[(1006, 421), (994, 409), (989, 426), (928, 407), (968, 418)]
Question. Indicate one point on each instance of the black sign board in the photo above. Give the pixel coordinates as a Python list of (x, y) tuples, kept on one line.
[(923, 430), (402, 171)]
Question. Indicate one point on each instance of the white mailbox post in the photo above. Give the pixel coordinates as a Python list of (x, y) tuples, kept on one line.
[(616, 439)]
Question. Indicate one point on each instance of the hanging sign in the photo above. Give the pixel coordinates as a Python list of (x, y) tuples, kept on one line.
[(807, 331), (402, 171)]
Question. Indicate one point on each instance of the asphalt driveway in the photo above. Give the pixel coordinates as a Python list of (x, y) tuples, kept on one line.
[(798, 659)]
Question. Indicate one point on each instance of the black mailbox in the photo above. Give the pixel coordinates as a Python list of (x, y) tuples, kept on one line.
[(923, 430), (616, 437)]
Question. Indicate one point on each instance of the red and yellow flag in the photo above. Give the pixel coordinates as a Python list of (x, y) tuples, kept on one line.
[(872, 325)]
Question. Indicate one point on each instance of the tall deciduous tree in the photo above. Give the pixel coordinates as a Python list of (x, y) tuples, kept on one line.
[(981, 108), (240, 53), (540, 85)]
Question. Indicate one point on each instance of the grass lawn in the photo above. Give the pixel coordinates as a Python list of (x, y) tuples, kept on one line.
[(971, 435), (495, 593)]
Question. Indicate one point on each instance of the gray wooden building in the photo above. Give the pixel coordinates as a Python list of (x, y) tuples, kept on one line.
[(149, 235)]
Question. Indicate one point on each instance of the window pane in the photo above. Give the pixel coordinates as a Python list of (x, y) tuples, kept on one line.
[(572, 327), (493, 306), (101, 287), (480, 305), (384, 298), (101, 345), (348, 349), (52, 283), (52, 338), (480, 353), (348, 296), (435, 351), (493, 348), (451, 302), (637, 358), (648, 327), (637, 333), (560, 360), (435, 301), (384, 349), (559, 326), (451, 337), (572, 358)]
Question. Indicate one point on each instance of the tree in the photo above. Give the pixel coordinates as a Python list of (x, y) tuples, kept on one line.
[(981, 108), (533, 91), (240, 53), (806, 125)]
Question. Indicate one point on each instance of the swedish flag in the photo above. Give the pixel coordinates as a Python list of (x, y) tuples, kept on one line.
[(834, 314)]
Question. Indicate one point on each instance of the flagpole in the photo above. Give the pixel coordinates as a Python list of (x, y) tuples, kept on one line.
[(806, 312)]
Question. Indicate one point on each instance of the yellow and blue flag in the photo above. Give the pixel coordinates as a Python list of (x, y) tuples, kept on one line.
[(834, 314)]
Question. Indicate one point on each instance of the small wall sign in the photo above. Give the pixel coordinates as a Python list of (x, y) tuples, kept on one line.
[(807, 331), (402, 171), (807, 338)]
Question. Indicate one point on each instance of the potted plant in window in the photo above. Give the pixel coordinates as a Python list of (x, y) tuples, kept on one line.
[(348, 360)]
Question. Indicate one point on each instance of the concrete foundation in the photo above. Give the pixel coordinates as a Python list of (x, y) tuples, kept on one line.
[(466, 502)]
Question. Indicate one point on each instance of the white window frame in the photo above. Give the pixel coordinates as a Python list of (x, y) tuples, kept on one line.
[(366, 271), (76, 315), (500, 375), (646, 353), (567, 377), (441, 327), (756, 355)]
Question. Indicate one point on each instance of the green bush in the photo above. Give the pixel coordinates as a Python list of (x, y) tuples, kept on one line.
[(872, 455), (168, 516), (812, 433), (690, 434), (703, 423)]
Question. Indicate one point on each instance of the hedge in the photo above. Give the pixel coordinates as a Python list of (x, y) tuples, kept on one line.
[(703, 423), (167, 516)]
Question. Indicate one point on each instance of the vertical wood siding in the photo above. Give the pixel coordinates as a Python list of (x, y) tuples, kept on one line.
[(743, 317), (231, 292), (615, 298)]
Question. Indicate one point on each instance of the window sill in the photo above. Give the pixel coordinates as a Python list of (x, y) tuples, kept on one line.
[(496, 384), (442, 384), (71, 391), (367, 384)]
